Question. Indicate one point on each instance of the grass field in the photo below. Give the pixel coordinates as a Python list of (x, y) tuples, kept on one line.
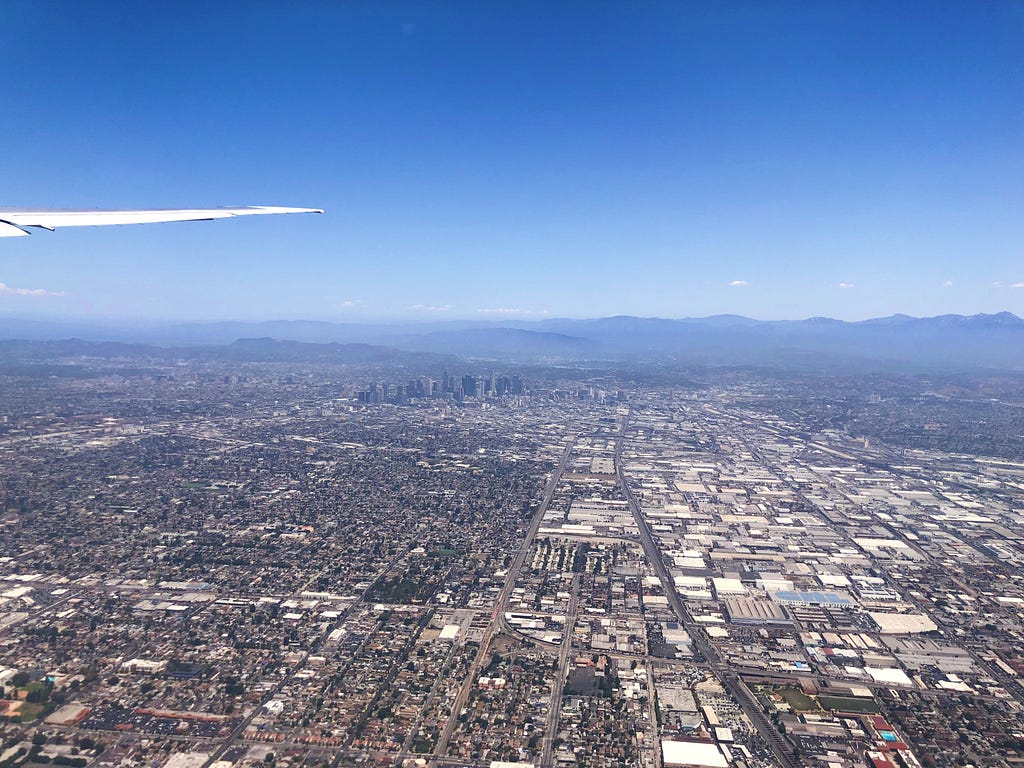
[(848, 704), (797, 700), (30, 712)]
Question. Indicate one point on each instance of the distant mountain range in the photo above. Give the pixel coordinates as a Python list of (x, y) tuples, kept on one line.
[(898, 341)]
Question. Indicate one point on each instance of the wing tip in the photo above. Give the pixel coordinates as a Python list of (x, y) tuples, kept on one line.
[(282, 209)]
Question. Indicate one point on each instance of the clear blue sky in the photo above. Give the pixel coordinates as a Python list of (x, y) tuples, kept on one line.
[(579, 159)]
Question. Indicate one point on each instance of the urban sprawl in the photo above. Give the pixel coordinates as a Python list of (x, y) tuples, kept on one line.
[(214, 566)]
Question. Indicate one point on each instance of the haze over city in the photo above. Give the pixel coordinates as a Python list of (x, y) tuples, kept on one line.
[(532, 160)]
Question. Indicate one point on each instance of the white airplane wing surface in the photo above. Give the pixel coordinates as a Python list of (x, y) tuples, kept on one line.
[(13, 221)]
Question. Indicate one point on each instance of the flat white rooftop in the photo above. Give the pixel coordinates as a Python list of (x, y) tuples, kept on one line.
[(692, 753)]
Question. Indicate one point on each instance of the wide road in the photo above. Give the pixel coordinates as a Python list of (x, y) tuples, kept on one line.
[(783, 749), (563, 671), (497, 621), (974, 647)]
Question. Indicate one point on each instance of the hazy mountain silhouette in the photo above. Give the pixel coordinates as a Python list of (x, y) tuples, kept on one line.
[(946, 341)]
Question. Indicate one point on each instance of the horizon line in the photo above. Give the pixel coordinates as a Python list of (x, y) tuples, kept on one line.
[(483, 321)]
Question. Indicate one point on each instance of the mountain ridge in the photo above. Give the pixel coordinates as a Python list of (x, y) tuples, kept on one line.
[(951, 340)]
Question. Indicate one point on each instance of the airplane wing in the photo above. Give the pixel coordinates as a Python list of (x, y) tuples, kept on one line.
[(13, 222)]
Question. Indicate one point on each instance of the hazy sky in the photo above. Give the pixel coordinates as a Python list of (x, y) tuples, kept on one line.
[(778, 160)]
